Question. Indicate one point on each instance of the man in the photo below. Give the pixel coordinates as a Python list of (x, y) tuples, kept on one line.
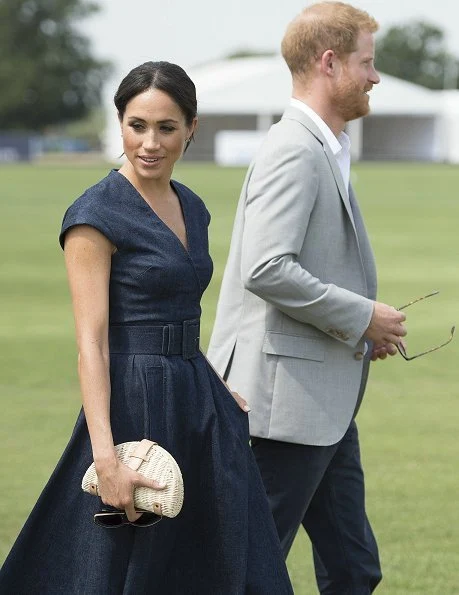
[(297, 322)]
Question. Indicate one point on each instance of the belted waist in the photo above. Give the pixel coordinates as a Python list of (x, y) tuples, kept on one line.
[(162, 339)]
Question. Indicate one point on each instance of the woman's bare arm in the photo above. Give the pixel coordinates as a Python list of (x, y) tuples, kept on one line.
[(88, 260)]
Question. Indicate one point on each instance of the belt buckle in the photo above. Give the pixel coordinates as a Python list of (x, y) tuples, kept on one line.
[(190, 338)]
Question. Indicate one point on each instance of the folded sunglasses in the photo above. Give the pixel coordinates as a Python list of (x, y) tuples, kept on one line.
[(112, 519)]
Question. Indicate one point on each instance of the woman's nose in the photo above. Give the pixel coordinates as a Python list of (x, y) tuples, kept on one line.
[(151, 141)]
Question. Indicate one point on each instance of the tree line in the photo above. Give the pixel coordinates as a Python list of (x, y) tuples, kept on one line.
[(49, 76)]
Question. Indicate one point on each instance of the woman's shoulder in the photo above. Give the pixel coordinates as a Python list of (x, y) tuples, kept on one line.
[(193, 199), (186, 191), (99, 195), (95, 208)]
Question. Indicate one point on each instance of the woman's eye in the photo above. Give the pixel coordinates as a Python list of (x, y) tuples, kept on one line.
[(136, 126), (167, 128)]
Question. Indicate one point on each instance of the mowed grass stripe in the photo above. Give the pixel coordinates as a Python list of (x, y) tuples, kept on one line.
[(408, 423)]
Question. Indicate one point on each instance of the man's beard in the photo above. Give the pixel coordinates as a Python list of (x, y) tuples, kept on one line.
[(350, 101)]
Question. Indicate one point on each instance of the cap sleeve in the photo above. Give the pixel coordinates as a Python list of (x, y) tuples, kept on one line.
[(83, 214)]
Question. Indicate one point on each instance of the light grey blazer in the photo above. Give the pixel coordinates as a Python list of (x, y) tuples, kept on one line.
[(297, 291)]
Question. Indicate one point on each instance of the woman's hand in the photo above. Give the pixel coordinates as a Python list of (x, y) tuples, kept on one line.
[(117, 483), (240, 401), (237, 397)]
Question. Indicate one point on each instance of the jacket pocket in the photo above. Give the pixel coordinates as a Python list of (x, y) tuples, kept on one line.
[(294, 346)]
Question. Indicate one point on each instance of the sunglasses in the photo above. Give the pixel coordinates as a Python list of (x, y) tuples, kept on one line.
[(112, 519), (402, 349)]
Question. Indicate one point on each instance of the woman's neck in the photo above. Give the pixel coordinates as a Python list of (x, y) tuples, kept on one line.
[(152, 190)]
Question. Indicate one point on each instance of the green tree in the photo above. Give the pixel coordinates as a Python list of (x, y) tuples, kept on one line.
[(47, 72), (417, 52)]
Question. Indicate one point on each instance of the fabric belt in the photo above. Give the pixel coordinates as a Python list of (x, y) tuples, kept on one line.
[(162, 339)]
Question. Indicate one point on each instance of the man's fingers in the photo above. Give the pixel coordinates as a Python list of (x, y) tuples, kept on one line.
[(394, 338), (396, 331), (379, 353), (382, 351), (401, 331), (391, 349), (401, 316)]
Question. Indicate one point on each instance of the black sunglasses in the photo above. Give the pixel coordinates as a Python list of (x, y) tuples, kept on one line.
[(112, 519)]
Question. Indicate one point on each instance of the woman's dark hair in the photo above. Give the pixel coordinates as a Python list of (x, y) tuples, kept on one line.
[(164, 76)]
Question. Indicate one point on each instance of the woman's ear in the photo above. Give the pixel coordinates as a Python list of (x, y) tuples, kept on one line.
[(191, 131), (193, 127)]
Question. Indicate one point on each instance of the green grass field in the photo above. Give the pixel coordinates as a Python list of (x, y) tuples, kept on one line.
[(409, 421)]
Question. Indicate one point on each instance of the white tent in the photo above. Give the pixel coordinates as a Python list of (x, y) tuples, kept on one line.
[(262, 84), (239, 99)]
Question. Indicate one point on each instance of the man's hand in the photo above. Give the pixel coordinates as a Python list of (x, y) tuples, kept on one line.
[(382, 351), (386, 327)]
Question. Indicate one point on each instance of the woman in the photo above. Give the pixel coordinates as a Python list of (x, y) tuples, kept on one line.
[(136, 253)]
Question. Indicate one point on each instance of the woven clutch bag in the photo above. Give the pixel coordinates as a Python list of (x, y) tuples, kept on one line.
[(154, 462)]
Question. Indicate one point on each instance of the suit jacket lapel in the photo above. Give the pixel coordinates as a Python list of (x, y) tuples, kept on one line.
[(296, 114), (366, 253), (339, 181)]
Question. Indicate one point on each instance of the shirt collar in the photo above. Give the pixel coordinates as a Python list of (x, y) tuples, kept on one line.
[(336, 144)]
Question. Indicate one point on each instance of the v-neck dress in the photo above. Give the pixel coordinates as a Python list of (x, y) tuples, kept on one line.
[(223, 542)]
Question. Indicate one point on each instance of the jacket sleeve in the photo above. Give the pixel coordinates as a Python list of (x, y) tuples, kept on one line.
[(281, 194)]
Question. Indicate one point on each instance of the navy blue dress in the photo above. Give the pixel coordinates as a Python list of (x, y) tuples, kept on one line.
[(162, 388)]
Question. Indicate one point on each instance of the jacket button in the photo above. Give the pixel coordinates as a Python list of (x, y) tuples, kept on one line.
[(358, 355)]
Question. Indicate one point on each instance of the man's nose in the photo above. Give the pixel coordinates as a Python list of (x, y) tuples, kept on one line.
[(374, 77)]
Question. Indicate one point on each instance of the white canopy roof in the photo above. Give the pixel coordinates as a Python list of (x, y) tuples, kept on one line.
[(262, 85)]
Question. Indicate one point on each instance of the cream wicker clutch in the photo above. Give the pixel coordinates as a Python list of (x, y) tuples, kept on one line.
[(154, 462)]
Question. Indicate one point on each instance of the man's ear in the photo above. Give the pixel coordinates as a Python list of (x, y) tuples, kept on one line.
[(328, 62)]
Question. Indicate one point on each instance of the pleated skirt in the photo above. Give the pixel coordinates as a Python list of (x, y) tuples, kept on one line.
[(223, 542)]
